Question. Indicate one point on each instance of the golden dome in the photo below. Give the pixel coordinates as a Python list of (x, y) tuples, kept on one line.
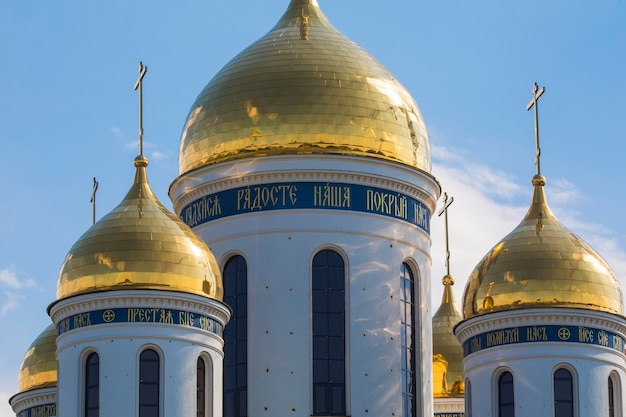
[(140, 245), (39, 367), (447, 351), (304, 88), (541, 264)]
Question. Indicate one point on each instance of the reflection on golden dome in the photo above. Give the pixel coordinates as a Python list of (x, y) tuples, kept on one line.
[(140, 245), (447, 351), (541, 264), (304, 88), (39, 367)]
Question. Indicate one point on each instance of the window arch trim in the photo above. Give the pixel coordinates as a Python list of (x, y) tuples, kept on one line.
[(329, 343), (574, 391), (615, 380), (204, 386), (145, 389), (235, 365), (90, 405)]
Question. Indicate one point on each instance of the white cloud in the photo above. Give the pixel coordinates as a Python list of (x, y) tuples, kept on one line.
[(487, 206), (117, 132), (471, 174), (157, 155), (5, 408), (9, 302), (563, 192), (10, 279)]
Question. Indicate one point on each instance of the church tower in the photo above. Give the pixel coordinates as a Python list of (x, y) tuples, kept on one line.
[(37, 379), (305, 166), (448, 382), (543, 331), (138, 319)]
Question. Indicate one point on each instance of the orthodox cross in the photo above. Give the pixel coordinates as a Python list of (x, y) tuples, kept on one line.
[(534, 103), (139, 85), (444, 209), (93, 200)]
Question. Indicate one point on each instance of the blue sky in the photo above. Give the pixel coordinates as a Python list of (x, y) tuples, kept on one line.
[(69, 113)]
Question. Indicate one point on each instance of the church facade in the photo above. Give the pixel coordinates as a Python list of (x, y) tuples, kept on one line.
[(294, 276)]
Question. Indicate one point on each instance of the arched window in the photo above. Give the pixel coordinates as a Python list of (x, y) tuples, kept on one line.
[(408, 320), (506, 397), (329, 334), (614, 395), (236, 338), (563, 393), (201, 388), (92, 385), (149, 370), (468, 398), (611, 398)]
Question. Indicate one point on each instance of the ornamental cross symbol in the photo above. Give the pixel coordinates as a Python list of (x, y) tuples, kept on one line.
[(139, 85), (444, 209), (535, 103)]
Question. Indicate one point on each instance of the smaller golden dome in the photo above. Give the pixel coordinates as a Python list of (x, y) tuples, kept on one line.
[(541, 264), (39, 367), (447, 351), (140, 245)]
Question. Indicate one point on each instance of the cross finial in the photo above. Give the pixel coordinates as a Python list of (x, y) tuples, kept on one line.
[(444, 209), (534, 103), (139, 85), (93, 200)]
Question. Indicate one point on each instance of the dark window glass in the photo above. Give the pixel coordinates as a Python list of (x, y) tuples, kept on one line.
[(149, 365), (408, 320), (92, 386), (611, 398), (329, 334), (468, 398), (201, 385), (236, 338), (506, 397), (563, 393)]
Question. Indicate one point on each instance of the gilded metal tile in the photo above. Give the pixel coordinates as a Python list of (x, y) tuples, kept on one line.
[(290, 94), (39, 367), (541, 264), (447, 351), (140, 245)]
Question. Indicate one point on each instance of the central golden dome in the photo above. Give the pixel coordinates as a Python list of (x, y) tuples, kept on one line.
[(541, 264), (140, 245), (304, 88)]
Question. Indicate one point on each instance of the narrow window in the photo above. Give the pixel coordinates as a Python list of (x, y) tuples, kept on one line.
[(201, 400), (149, 365), (506, 398), (92, 386), (407, 335), (468, 398), (563, 393), (329, 334), (236, 338), (611, 398)]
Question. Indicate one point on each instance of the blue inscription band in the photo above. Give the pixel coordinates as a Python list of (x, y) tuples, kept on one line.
[(306, 195), (140, 315), (532, 334), (44, 410), (449, 414)]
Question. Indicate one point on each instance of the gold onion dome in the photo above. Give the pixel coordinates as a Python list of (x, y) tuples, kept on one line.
[(304, 88), (39, 367), (447, 351), (140, 245), (541, 264)]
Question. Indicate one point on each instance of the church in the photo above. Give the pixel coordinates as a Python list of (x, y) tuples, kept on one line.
[(294, 276)]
